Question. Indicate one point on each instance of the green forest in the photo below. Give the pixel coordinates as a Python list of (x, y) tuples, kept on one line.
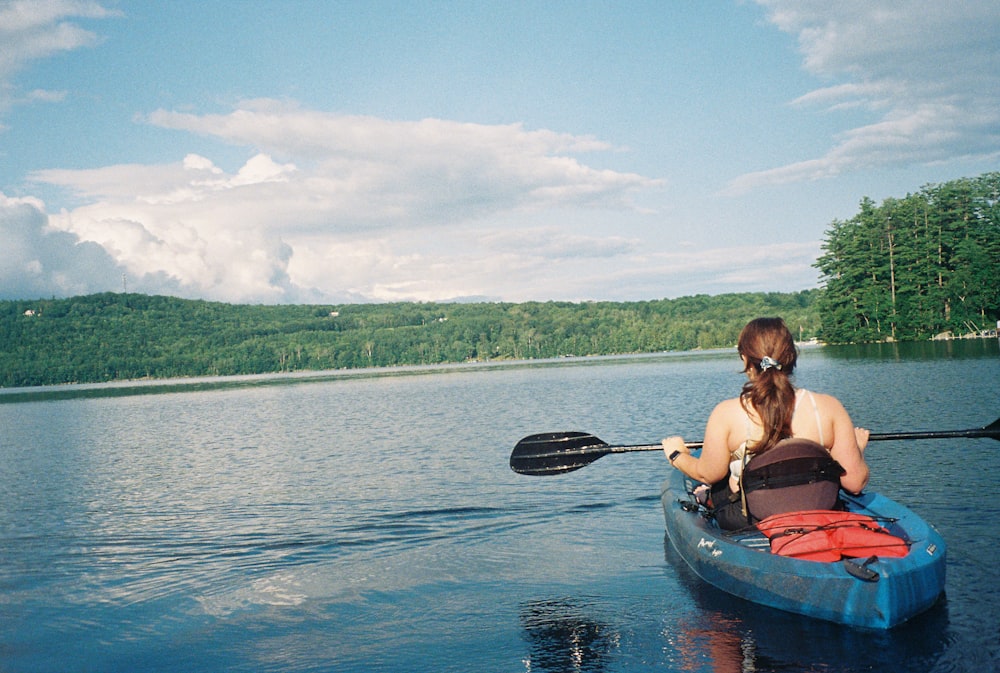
[(908, 269), (914, 267), (111, 336)]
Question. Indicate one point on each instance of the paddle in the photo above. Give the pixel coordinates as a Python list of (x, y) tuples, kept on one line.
[(558, 452)]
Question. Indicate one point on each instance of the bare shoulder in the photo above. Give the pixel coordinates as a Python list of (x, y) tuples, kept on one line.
[(827, 403), (831, 408), (726, 418), (729, 411)]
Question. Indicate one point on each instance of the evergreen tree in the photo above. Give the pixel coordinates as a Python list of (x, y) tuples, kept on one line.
[(914, 267)]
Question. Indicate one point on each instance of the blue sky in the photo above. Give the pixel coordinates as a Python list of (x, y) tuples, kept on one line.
[(320, 151)]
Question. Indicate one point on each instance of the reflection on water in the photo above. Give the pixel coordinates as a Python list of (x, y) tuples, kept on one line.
[(564, 638), (713, 642), (915, 350)]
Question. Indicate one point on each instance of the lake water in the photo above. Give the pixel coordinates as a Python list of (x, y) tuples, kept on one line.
[(367, 522)]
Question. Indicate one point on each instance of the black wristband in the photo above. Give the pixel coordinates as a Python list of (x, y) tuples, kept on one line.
[(673, 456)]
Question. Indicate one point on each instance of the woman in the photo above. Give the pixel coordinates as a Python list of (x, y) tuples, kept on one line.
[(768, 410)]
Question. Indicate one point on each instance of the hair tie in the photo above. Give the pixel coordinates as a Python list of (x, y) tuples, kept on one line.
[(768, 362)]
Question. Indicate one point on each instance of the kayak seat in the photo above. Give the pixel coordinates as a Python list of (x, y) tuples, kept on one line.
[(794, 475)]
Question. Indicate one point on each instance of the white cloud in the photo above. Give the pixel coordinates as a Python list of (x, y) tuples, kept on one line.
[(542, 273), (44, 96), (36, 29), (553, 243), (172, 246), (431, 169), (282, 126), (928, 70), (40, 262), (450, 264), (356, 208), (770, 267)]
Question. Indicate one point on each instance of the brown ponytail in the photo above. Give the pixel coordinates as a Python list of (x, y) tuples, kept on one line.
[(770, 353)]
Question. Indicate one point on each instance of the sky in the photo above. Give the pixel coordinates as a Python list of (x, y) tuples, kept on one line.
[(316, 151)]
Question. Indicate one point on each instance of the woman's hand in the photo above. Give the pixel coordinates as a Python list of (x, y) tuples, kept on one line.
[(671, 444), (861, 436)]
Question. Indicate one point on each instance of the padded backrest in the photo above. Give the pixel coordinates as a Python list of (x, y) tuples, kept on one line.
[(793, 475)]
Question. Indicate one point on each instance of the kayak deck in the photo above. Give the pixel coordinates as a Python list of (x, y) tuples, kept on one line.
[(741, 564)]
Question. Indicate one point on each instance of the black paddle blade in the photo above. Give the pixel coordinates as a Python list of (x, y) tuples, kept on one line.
[(556, 452), (992, 430)]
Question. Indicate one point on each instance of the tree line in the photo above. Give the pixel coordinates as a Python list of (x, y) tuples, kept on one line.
[(112, 336), (914, 267)]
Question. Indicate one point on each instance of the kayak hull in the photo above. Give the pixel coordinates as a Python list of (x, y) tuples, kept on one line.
[(743, 566)]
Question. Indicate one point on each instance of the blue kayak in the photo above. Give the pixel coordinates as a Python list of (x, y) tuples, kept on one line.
[(867, 593)]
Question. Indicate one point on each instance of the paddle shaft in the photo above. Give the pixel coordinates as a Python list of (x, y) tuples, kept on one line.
[(991, 431), (646, 447)]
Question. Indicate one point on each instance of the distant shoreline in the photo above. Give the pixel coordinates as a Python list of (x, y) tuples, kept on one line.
[(132, 337)]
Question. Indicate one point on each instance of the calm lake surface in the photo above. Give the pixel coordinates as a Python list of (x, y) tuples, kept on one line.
[(365, 522)]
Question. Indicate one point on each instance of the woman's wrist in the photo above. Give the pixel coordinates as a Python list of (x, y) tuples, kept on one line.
[(678, 460)]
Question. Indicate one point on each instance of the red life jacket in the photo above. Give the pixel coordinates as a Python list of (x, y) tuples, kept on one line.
[(823, 535)]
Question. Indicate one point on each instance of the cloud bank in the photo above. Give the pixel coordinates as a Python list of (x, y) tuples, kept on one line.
[(340, 206), (39, 262)]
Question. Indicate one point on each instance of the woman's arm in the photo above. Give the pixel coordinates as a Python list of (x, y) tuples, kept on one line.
[(845, 448), (713, 463)]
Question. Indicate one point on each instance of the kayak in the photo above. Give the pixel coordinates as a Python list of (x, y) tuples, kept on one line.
[(871, 592)]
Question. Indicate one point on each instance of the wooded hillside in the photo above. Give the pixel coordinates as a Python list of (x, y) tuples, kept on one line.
[(110, 336)]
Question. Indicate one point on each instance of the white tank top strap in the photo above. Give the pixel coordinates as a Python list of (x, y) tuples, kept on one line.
[(799, 394)]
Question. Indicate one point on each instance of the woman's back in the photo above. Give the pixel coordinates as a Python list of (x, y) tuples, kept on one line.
[(768, 410)]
